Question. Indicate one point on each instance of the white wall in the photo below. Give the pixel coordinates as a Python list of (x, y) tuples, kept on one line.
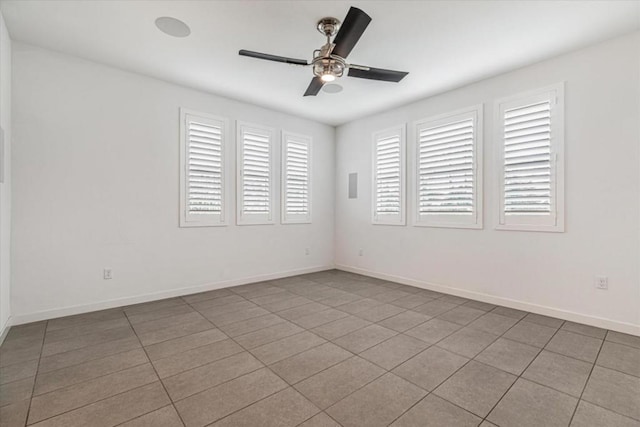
[(96, 178), (5, 187), (550, 273)]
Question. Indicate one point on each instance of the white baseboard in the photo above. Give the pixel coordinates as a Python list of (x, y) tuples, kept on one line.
[(119, 302), (627, 328), (5, 329)]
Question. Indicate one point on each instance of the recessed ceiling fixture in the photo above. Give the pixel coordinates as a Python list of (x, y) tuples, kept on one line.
[(332, 88), (329, 61), (172, 26)]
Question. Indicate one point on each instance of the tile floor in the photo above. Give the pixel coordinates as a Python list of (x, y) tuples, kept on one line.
[(319, 350)]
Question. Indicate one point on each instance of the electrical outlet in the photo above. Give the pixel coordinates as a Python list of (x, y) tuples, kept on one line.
[(360, 252), (602, 282), (107, 274), (307, 251)]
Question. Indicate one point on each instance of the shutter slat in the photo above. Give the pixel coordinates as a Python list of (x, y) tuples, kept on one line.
[(296, 176), (204, 169), (387, 171)]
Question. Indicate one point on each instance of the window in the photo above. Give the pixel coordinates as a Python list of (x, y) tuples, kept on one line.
[(389, 176), (448, 179), (255, 174), (530, 135), (203, 141), (296, 178)]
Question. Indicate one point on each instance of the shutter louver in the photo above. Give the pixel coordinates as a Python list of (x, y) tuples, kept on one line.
[(446, 175), (296, 178), (255, 179), (388, 175), (527, 160), (204, 168)]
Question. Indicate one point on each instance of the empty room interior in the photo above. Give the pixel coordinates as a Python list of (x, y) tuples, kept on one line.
[(319, 213)]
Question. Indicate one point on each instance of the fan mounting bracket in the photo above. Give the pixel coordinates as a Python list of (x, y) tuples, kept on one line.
[(328, 26)]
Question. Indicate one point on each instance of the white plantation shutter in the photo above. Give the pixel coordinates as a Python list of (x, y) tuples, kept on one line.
[(448, 176), (530, 129), (255, 174), (389, 176), (296, 178), (203, 140)]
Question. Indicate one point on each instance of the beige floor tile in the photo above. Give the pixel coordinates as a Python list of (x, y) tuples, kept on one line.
[(174, 331), (287, 408), (321, 318), (65, 377), (301, 366), (268, 334), (626, 339), (320, 420), (530, 333), (509, 312), (333, 384), (394, 351), (114, 410), (302, 310), (207, 376), (493, 323), (559, 372), (221, 303), (380, 312), (10, 357), (575, 345), (476, 387), (286, 304), (221, 319), (390, 296), (433, 411), (341, 327), (411, 301), (359, 305), (213, 404), (364, 338), (433, 330), (196, 357), (552, 322), (78, 395), (18, 371), (203, 296), (163, 417), (431, 367), (579, 328), (185, 343), (250, 325), (90, 328), (178, 310), (435, 308), (615, 391), (87, 340), (467, 342), (16, 391), (143, 328), (378, 403), (510, 356), (15, 414), (462, 315), (287, 347), (589, 415), (620, 357), (528, 404), (404, 321), (152, 306), (86, 354), (84, 319), (31, 330), (340, 299), (484, 306)]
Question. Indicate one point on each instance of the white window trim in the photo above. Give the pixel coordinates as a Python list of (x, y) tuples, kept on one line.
[(188, 220), (394, 220), (283, 180), (447, 220), (255, 219), (532, 222)]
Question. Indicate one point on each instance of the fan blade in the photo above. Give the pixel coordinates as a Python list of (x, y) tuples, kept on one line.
[(350, 31), (314, 87), (377, 74), (275, 58)]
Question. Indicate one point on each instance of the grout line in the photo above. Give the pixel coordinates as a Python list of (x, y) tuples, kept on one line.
[(154, 370), (587, 382), (35, 377)]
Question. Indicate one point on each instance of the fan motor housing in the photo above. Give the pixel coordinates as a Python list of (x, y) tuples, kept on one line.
[(328, 26)]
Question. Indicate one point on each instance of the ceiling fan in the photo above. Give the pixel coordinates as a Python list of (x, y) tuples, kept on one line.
[(329, 61)]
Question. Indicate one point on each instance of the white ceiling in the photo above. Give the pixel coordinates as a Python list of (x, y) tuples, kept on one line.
[(443, 44)]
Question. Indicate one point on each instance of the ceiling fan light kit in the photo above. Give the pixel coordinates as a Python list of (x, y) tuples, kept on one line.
[(329, 62)]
